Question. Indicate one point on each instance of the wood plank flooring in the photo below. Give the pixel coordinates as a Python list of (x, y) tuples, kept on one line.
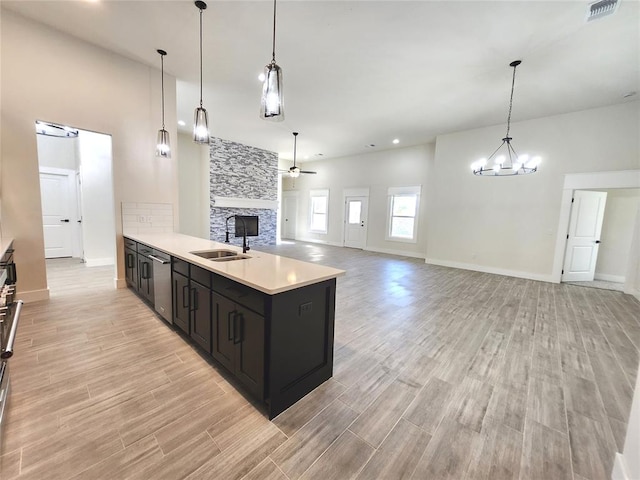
[(439, 373)]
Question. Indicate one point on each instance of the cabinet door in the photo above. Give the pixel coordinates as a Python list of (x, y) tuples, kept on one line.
[(224, 312), (131, 268), (145, 275), (248, 338), (201, 315), (181, 296)]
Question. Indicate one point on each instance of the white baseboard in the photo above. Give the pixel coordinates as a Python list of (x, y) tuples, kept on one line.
[(99, 262), (390, 251), (619, 469), (497, 271), (119, 283), (609, 278), (323, 242), (33, 295)]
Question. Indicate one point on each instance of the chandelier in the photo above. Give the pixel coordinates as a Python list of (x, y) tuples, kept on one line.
[(506, 161)]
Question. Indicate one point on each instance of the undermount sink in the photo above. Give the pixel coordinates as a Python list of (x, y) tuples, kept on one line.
[(220, 255)]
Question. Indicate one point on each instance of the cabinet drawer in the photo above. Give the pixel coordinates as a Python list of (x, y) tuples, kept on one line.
[(180, 266), (200, 275), (145, 250), (130, 243), (237, 292)]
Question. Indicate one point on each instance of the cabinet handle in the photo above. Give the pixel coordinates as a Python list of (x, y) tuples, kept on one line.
[(229, 337), (238, 338), (13, 273), (195, 299), (129, 260), (185, 304)]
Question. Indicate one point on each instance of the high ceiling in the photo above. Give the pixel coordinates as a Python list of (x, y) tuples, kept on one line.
[(365, 72)]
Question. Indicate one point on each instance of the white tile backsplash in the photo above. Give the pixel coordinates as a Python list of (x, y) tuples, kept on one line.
[(147, 217)]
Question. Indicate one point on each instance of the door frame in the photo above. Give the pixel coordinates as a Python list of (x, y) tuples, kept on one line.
[(77, 250), (585, 181), (353, 192), (289, 194)]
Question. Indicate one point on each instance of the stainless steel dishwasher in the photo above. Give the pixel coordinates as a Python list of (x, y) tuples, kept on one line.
[(162, 284)]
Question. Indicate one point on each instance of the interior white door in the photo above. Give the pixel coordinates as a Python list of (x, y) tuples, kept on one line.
[(289, 215), (583, 240), (355, 222), (57, 201)]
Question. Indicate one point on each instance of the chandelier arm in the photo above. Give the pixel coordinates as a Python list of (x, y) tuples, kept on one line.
[(496, 151), (511, 149)]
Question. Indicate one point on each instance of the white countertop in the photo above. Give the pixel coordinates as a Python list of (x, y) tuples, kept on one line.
[(265, 272), (5, 243)]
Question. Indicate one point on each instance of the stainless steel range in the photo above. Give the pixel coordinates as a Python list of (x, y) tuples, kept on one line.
[(9, 318)]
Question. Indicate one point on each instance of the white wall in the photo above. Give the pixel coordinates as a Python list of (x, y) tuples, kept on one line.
[(617, 232), (627, 465), (509, 224), (377, 171), (89, 88), (193, 179), (98, 213), (58, 152)]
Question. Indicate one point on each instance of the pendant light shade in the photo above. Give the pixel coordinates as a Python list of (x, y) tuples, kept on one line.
[(163, 145), (272, 102), (201, 118), (504, 161)]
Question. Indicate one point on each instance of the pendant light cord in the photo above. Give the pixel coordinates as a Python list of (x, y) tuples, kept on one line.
[(513, 83), (162, 83), (273, 49), (201, 59), (295, 148)]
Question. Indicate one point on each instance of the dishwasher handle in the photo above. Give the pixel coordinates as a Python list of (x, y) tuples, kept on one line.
[(8, 352), (157, 259)]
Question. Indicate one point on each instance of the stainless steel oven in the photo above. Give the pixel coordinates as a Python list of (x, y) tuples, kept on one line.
[(10, 310)]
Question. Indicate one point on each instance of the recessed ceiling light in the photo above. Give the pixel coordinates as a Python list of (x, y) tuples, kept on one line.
[(261, 77), (396, 141), (182, 123)]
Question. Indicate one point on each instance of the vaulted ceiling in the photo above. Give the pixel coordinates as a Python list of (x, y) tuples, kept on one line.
[(358, 73)]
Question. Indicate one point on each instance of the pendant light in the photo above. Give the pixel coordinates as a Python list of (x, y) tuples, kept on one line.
[(201, 118), (507, 162), (272, 103), (163, 146)]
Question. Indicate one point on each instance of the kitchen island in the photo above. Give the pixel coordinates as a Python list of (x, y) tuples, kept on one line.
[(267, 319)]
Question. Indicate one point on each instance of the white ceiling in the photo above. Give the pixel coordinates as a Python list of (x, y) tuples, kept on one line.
[(366, 72)]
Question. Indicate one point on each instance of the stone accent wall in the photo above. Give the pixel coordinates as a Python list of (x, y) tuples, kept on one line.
[(243, 172), (266, 225)]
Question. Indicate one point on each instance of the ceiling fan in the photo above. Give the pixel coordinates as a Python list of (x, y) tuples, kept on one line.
[(294, 172)]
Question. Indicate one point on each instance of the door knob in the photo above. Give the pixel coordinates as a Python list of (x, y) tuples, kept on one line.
[(597, 241), (65, 220)]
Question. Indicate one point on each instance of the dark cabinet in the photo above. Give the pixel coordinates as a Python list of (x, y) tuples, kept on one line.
[(131, 267), (192, 302), (181, 309), (145, 273), (238, 342), (201, 315)]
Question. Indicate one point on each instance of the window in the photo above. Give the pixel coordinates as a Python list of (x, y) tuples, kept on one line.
[(319, 211), (403, 213)]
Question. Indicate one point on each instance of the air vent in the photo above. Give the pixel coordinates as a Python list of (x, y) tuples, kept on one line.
[(601, 9)]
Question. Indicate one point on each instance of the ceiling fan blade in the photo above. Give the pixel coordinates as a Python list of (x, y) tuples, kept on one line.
[(309, 172)]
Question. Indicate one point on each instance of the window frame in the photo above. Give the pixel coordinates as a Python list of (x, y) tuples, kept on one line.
[(319, 193), (393, 192)]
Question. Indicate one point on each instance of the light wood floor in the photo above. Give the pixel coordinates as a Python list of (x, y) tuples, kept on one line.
[(439, 373)]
